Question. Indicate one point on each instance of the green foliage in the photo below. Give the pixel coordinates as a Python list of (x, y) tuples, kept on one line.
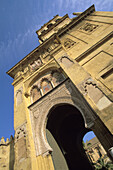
[(101, 165)]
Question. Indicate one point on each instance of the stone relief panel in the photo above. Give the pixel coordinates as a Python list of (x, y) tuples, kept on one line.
[(64, 94), (18, 74), (20, 132), (88, 27), (47, 50), (39, 58), (36, 64), (68, 43)]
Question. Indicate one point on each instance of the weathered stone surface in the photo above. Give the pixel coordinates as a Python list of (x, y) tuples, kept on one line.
[(71, 66)]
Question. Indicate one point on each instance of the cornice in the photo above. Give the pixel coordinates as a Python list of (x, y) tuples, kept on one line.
[(26, 58), (74, 22)]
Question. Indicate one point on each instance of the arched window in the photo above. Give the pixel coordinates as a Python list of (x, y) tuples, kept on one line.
[(35, 93), (46, 86), (57, 78)]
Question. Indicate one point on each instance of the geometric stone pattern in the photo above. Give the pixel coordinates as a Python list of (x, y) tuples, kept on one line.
[(20, 132)]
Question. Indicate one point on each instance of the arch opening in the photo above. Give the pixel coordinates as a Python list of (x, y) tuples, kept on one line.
[(65, 131)]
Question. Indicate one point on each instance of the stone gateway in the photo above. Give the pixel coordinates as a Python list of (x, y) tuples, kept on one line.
[(62, 90)]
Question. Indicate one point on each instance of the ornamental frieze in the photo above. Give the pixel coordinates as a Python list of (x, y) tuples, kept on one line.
[(36, 64), (47, 50)]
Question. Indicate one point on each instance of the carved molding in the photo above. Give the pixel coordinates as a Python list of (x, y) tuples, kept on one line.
[(39, 113), (47, 50), (36, 64)]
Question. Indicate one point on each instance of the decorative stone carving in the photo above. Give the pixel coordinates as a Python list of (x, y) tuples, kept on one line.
[(36, 114), (68, 43), (43, 85), (88, 27), (96, 95), (18, 74), (56, 97), (26, 71), (46, 52), (20, 132), (36, 64)]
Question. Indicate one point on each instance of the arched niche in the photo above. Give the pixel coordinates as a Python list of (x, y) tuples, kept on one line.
[(46, 86), (57, 77), (35, 93), (45, 83), (18, 97)]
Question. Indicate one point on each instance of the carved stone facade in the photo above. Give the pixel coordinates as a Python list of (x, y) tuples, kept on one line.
[(62, 90), (65, 93)]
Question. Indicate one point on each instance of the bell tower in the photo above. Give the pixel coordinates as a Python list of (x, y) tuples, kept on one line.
[(64, 87)]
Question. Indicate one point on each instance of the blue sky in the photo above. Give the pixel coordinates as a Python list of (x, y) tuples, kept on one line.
[(19, 21)]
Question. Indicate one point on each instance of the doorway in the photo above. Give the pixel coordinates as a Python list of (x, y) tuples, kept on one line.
[(65, 131)]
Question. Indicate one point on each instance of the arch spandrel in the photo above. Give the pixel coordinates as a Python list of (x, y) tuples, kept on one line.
[(39, 116)]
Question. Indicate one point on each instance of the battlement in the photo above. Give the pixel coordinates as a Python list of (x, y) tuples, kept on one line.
[(7, 142), (7, 153)]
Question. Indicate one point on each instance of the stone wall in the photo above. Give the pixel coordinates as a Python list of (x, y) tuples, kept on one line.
[(7, 156)]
